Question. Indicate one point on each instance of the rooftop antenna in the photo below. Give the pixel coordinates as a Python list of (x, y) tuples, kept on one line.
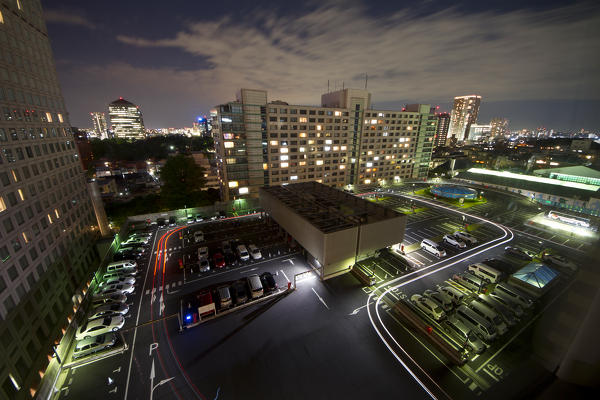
[(327, 85), (366, 80)]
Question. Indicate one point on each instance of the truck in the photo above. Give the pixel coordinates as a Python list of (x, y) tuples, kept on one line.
[(206, 304)]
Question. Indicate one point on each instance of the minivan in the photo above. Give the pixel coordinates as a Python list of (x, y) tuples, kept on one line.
[(243, 253), (454, 294), (458, 328), (469, 281), (508, 302), (428, 306), (486, 312), (224, 297), (121, 265), (485, 272), (507, 314), (433, 248), (482, 327), (256, 287), (518, 297)]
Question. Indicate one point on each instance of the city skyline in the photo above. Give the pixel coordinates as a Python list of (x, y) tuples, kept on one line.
[(195, 61)]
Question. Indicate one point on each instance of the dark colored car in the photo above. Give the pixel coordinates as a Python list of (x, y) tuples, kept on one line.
[(500, 265), (229, 257), (219, 260), (161, 222), (239, 292), (268, 282), (518, 252), (172, 221)]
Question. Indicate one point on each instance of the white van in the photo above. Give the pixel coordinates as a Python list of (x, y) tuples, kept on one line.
[(485, 272), (484, 311), (255, 285), (121, 265), (482, 327), (243, 253), (433, 248), (454, 294), (514, 294), (428, 306)]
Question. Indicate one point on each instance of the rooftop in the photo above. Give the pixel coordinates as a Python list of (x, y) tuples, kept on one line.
[(329, 209), (577, 170), (536, 274)]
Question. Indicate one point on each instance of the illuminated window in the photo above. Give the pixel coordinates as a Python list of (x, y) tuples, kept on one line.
[(56, 212), (228, 136), (302, 163), (284, 165), (294, 177), (338, 113), (50, 218), (319, 127), (342, 166), (2, 204), (283, 150), (327, 148), (373, 121), (367, 181), (19, 5), (60, 118), (369, 153), (14, 174), (49, 117), (25, 238), (284, 158), (233, 184), (343, 148), (376, 158), (1, 18), (273, 142), (302, 149), (265, 166), (228, 145), (319, 162), (303, 134), (328, 141), (243, 190), (21, 195), (303, 119)]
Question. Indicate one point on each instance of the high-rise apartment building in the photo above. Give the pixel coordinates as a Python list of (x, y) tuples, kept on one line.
[(126, 120), (47, 223), (99, 124), (464, 114), (441, 133), (499, 127), (341, 142)]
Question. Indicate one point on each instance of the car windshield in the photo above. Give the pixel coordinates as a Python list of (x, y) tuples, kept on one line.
[(472, 337), (437, 309)]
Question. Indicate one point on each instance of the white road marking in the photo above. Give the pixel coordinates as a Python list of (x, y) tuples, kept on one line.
[(147, 291), (250, 270), (320, 298), (491, 375), (288, 279)]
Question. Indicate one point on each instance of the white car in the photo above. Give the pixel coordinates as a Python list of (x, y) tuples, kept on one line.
[(129, 280), (204, 265), (121, 287), (466, 237), (454, 241), (428, 306), (254, 252), (109, 309), (560, 261), (92, 345), (442, 300), (99, 326)]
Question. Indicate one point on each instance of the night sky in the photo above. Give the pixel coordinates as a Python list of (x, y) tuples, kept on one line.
[(535, 63)]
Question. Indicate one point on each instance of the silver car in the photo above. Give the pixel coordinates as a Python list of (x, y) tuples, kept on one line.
[(118, 287), (109, 309), (92, 345), (458, 329), (454, 241), (100, 326), (129, 280)]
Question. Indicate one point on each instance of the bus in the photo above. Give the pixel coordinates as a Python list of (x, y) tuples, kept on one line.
[(568, 219)]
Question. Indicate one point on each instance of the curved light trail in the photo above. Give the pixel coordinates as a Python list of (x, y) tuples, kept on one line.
[(386, 336)]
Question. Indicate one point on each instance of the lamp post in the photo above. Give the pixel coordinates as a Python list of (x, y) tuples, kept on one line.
[(152, 386)]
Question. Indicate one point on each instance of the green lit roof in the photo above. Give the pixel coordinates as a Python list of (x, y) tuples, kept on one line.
[(576, 170), (532, 178), (536, 274)]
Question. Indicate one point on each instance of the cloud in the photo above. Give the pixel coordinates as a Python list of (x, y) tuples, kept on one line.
[(66, 17)]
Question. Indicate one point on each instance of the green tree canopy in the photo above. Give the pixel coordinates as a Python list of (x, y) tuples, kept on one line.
[(182, 182)]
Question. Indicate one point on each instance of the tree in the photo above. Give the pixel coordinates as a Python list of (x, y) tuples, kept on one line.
[(182, 182)]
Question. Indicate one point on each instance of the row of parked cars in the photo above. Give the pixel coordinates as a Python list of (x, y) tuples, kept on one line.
[(229, 252), (208, 301), (134, 247), (109, 307), (471, 316), (459, 240)]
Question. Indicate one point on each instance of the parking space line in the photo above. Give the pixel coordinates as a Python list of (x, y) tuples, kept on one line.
[(288, 279), (492, 376)]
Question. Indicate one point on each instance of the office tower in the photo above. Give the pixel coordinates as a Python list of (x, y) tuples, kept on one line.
[(441, 133), (499, 127), (99, 124), (464, 114), (126, 120), (47, 223), (341, 142)]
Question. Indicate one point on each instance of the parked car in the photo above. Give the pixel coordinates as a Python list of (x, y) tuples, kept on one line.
[(129, 280), (438, 298), (254, 252), (456, 327), (432, 247), (218, 260), (469, 281), (198, 236), (465, 237), (86, 347), (507, 302), (428, 306), (268, 282), (224, 297), (560, 261), (255, 285), (226, 245), (109, 309), (202, 252), (122, 265), (519, 253), (229, 257), (454, 241), (199, 218), (204, 265), (117, 287), (243, 253), (239, 292), (172, 221), (507, 314), (191, 219), (99, 326), (161, 222), (98, 300), (500, 265)]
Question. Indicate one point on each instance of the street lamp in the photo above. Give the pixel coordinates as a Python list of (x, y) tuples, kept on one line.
[(152, 386)]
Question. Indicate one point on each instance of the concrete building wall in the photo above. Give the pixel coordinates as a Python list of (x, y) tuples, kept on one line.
[(381, 234)]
